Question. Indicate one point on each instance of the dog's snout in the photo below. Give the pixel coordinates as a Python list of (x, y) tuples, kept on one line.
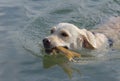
[(46, 43)]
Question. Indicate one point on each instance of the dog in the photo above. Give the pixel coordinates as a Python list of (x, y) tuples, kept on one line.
[(74, 38)]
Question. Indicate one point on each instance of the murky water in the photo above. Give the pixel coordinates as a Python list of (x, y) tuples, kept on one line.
[(24, 23)]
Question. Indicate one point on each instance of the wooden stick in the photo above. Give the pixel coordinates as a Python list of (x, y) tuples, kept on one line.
[(69, 54)]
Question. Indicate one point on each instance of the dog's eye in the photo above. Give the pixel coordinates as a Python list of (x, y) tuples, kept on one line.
[(64, 34), (52, 31)]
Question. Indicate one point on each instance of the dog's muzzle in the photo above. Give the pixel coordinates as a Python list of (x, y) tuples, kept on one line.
[(49, 47)]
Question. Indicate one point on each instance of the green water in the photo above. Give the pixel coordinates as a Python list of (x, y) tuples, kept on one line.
[(23, 25)]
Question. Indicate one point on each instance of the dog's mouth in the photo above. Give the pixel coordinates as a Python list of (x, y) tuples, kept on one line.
[(50, 50)]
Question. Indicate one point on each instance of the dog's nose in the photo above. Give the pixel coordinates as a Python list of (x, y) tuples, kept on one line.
[(46, 43)]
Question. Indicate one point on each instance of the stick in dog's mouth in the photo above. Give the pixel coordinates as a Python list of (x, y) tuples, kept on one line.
[(64, 50), (51, 50)]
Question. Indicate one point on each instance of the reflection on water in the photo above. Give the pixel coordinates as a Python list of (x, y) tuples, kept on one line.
[(60, 60)]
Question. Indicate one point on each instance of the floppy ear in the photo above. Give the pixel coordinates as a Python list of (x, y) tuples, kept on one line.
[(89, 39)]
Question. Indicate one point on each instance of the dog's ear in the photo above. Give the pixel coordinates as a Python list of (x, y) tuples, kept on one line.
[(52, 30), (89, 40)]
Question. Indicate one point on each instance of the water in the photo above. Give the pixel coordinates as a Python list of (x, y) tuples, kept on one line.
[(23, 23)]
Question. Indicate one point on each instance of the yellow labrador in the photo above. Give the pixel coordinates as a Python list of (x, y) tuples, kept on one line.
[(71, 37)]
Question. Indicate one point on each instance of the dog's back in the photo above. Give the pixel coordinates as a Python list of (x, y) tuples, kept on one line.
[(111, 29)]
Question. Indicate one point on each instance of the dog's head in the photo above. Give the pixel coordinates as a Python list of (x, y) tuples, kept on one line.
[(66, 35)]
